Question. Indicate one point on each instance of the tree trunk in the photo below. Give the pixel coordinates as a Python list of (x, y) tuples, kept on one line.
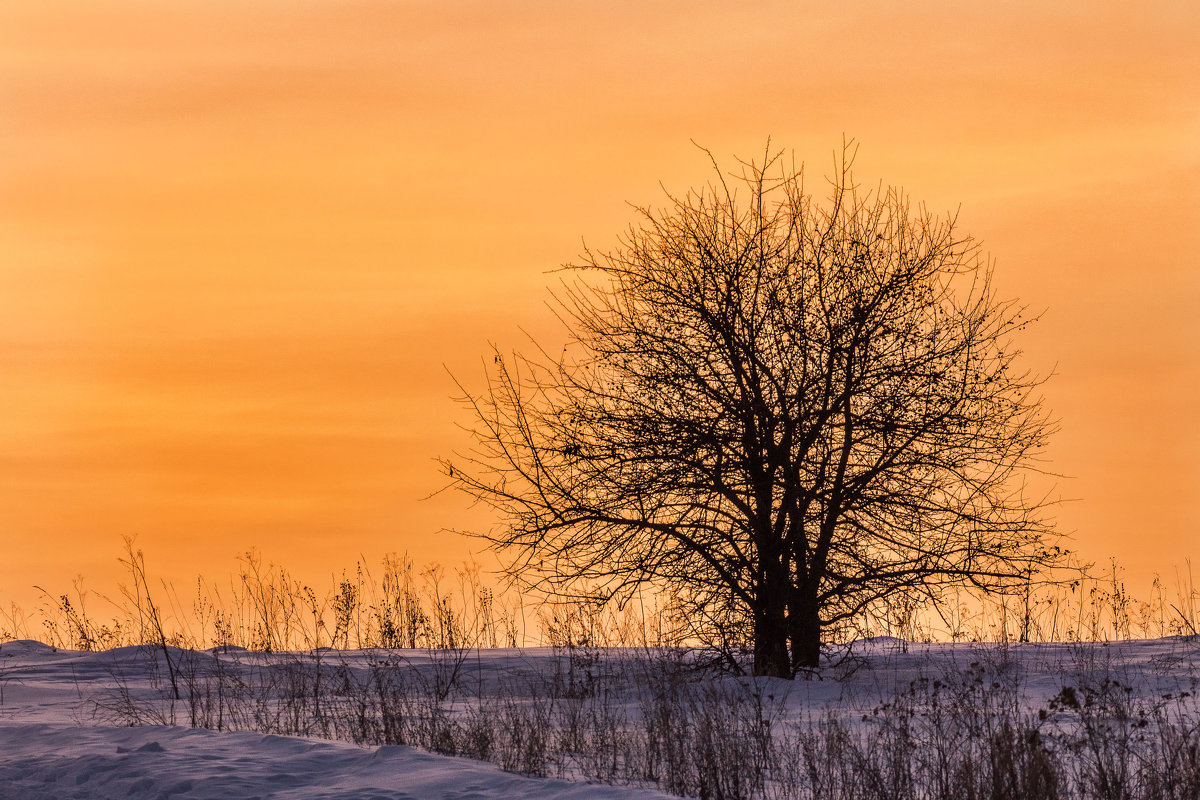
[(770, 646), (804, 623), (771, 627)]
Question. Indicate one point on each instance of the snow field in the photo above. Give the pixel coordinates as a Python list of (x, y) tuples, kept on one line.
[(878, 723)]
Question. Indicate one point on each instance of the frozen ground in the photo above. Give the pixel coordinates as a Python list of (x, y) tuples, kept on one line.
[(56, 743), (51, 747)]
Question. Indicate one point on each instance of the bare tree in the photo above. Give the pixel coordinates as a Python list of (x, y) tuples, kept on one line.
[(787, 412)]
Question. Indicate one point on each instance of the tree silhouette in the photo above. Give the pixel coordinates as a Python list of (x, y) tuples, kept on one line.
[(786, 412)]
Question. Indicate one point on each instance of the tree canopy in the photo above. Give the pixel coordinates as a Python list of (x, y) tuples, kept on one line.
[(787, 411)]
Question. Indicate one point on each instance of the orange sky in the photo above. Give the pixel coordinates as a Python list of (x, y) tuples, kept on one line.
[(239, 241)]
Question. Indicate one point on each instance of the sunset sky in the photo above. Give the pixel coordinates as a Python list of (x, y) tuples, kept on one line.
[(243, 244)]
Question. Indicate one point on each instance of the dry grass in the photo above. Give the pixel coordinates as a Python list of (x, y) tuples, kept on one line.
[(393, 657)]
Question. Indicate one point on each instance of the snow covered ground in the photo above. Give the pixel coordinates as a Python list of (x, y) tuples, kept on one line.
[(51, 747), (61, 712)]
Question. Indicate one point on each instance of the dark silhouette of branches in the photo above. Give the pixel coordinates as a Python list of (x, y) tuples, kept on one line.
[(790, 411)]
